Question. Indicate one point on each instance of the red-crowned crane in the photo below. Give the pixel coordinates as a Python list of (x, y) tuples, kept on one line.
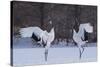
[(48, 38), (79, 37), (40, 36)]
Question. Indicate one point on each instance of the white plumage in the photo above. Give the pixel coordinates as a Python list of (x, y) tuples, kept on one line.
[(46, 37), (27, 32), (79, 37)]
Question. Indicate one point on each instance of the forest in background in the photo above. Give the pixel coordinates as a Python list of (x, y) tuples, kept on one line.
[(64, 17)]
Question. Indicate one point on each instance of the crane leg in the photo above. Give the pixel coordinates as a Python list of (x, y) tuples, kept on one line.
[(46, 51), (80, 54), (46, 54), (81, 50)]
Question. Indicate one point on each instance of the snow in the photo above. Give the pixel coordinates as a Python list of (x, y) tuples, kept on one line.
[(27, 53), (34, 56)]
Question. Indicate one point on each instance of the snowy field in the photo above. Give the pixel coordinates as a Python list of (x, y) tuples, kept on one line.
[(25, 53)]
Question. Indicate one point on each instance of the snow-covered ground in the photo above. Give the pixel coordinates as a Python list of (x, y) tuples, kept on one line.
[(28, 43), (25, 53)]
